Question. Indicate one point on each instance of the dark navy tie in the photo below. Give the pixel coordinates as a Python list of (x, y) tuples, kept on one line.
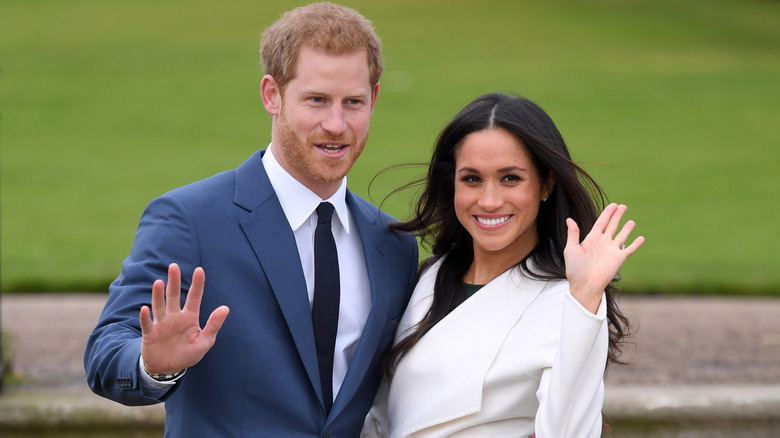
[(325, 310)]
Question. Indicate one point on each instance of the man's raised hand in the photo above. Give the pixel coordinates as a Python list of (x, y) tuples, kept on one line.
[(174, 341)]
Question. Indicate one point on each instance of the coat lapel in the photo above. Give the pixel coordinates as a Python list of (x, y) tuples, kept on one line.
[(273, 242), (457, 353), (373, 240)]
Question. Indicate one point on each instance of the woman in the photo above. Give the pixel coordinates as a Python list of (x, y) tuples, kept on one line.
[(512, 322)]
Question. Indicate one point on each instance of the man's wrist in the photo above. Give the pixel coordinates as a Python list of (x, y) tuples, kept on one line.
[(162, 377)]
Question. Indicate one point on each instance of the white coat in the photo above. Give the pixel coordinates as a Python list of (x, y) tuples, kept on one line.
[(521, 356)]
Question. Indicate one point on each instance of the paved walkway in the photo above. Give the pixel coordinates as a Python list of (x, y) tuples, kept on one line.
[(692, 358)]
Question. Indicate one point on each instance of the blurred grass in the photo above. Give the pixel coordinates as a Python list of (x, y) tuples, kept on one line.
[(673, 106)]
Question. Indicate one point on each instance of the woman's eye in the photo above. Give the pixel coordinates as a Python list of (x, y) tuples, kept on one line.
[(470, 179), (512, 178)]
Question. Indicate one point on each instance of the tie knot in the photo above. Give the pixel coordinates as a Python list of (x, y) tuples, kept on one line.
[(324, 213)]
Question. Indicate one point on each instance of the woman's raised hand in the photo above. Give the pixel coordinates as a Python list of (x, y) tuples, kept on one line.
[(593, 264)]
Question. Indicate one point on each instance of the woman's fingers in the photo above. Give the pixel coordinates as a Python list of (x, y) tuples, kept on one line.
[(614, 220), (622, 236), (602, 221), (630, 249), (573, 233)]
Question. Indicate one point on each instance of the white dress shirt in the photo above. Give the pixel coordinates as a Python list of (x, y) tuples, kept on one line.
[(299, 205)]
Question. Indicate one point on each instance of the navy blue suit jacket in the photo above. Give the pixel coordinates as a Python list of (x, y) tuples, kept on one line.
[(261, 377)]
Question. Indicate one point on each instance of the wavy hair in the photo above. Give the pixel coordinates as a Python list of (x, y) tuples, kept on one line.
[(575, 195)]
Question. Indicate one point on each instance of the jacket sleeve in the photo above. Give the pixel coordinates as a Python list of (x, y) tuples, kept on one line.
[(571, 392), (165, 235)]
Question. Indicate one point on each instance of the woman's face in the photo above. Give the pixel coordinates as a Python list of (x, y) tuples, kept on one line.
[(497, 194)]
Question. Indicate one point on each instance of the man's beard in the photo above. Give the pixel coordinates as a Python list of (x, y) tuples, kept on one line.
[(299, 154)]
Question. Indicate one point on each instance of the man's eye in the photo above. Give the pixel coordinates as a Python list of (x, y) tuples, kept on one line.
[(317, 99)]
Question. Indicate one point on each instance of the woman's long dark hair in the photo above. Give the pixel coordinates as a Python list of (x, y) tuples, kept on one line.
[(574, 195)]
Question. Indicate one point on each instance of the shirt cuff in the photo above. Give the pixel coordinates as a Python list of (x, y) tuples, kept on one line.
[(147, 382)]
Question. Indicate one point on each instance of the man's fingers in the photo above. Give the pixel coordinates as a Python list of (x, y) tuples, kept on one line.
[(216, 319), (173, 291), (158, 299), (145, 318), (195, 294)]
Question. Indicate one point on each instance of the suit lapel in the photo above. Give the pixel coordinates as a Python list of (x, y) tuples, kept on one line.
[(273, 242), (373, 240)]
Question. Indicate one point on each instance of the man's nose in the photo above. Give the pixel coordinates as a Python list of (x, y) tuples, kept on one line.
[(334, 123)]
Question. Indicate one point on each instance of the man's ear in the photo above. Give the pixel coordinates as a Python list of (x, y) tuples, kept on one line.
[(374, 96), (271, 95)]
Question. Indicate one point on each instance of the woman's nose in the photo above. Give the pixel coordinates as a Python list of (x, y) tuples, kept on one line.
[(490, 198)]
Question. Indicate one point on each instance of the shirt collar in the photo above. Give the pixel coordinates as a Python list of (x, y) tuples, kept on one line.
[(298, 201)]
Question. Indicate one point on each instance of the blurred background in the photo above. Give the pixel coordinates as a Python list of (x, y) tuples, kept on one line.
[(674, 107)]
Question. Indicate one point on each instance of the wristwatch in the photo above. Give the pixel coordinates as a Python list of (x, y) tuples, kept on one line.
[(163, 377)]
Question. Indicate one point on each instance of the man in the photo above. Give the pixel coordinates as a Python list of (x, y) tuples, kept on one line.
[(254, 232)]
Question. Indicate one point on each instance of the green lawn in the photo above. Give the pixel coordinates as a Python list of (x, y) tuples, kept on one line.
[(673, 106)]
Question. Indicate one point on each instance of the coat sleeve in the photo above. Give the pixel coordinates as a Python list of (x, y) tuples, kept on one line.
[(165, 235), (571, 392)]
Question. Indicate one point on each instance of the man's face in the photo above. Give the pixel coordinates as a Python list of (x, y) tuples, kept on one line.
[(323, 121)]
